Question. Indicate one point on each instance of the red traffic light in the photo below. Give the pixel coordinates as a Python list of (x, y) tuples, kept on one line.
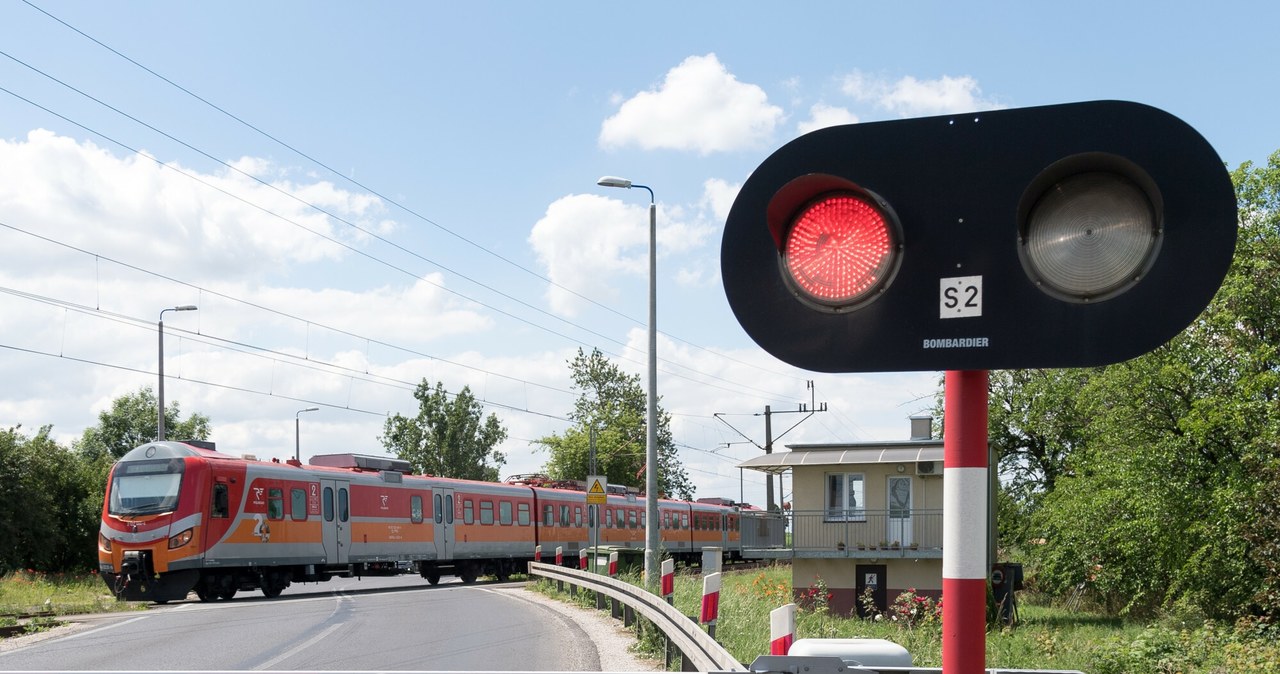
[(1063, 236), (840, 249)]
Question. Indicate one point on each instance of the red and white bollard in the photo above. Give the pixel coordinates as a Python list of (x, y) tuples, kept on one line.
[(710, 602), (669, 580), (613, 564), (964, 522), (582, 559), (537, 553), (559, 555), (782, 629)]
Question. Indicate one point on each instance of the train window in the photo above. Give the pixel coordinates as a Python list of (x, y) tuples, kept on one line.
[(438, 502), (298, 504), (608, 518), (275, 504), (631, 518), (448, 509), (577, 516), (684, 520), (220, 505), (344, 512), (548, 515), (564, 515), (415, 509), (504, 512), (468, 511), (522, 514), (486, 512), (328, 504)]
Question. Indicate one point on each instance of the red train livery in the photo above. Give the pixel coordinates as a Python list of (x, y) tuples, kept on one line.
[(182, 516)]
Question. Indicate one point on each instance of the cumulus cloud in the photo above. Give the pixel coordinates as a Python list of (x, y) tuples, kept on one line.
[(821, 116), (699, 106), (911, 97)]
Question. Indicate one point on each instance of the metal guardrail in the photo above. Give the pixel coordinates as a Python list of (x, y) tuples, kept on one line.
[(699, 650)]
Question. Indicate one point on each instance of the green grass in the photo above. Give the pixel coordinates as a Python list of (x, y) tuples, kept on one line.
[(28, 593), (1046, 637)]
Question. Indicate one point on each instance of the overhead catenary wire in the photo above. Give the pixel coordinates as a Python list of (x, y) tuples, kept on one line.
[(385, 198)]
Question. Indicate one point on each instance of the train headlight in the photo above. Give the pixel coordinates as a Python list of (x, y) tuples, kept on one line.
[(179, 540), (104, 543)]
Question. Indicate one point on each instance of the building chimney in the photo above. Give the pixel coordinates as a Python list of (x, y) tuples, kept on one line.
[(922, 428)]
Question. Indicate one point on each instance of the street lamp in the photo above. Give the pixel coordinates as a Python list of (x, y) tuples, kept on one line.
[(160, 392), (651, 414), (297, 433)]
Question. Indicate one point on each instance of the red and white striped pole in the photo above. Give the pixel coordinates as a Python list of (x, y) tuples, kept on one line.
[(669, 580), (537, 553), (710, 602), (964, 523), (582, 559), (559, 555), (782, 629), (613, 564)]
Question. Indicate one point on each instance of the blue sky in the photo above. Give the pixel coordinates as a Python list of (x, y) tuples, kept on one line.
[(409, 191)]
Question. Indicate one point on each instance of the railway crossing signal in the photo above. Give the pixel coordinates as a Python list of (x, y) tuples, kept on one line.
[(1062, 236)]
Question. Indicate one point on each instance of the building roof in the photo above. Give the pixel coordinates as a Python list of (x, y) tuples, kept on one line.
[(846, 454)]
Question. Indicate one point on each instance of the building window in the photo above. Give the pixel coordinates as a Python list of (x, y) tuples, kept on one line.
[(846, 498)]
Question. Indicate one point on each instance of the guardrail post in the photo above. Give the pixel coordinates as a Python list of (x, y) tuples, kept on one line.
[(782, 629), (710, 602), (669, 580)]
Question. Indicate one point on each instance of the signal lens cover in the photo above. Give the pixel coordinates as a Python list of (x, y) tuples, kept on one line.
[(840, 249), (1091, 236)]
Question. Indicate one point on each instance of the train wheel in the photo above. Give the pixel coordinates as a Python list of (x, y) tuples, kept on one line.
[(433, 578), (203, 594), (226, 594), (468, 573)]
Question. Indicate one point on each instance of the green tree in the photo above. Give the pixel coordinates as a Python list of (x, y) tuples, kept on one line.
[(1161, 506), (449, 437), (131, 422), (50, 501), (614, 404)]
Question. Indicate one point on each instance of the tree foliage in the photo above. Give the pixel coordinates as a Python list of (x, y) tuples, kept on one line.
[(131, 422), (614, 404), (1170, 457), (449, 437), (50, 501)]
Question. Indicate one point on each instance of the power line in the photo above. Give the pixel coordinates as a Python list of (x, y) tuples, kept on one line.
[(378, 194)]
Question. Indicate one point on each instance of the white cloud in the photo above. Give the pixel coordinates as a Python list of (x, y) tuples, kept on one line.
[(822, 116), (699, 106), (910, 97), (717, 197)]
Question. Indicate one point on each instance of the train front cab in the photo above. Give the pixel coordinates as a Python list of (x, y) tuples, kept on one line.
[(149, 538)]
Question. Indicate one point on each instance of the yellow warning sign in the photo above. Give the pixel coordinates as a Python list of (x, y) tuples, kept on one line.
[(596, 492)]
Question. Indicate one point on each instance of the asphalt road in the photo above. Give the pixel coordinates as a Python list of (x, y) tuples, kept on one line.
[(395, 623)]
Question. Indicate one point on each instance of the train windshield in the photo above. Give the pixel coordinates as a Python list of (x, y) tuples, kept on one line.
[(145, 487)]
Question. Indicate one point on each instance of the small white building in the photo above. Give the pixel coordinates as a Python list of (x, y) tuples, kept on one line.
[(864, 516)]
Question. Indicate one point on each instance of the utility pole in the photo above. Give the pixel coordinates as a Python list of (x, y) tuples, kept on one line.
[(807, 410)]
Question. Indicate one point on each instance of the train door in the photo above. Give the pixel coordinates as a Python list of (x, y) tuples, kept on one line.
[(335, 502), (442, 507)]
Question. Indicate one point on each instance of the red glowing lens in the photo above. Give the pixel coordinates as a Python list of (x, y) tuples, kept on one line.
[(839, 249)]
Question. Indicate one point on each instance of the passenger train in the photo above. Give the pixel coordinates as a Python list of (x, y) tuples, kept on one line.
[(181, 516)]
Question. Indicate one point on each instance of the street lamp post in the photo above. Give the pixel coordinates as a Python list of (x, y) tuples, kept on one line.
[(651, 539), (297, 433), (160, 391)]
